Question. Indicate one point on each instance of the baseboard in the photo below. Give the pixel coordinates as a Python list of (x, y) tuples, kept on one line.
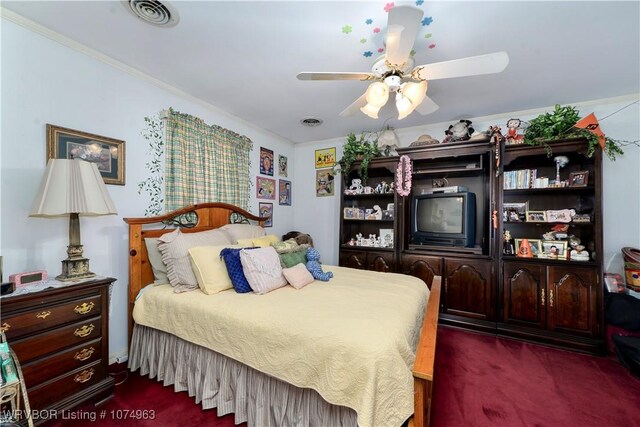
[(121, 357)]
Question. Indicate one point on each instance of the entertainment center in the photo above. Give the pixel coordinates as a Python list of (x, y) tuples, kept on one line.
[(464, 200)]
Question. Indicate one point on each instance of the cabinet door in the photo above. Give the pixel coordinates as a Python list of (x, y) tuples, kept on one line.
[(353, 259), (381, 261), (422, 267), (468, 288), (573, 300), (524, 294)]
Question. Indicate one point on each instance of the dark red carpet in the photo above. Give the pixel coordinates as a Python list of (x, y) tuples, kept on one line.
[(480, 381)]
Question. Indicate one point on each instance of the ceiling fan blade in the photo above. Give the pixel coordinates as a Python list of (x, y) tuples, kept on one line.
[(408, 18), (427, 106), (355, 107), (335, 76), (471, 66)]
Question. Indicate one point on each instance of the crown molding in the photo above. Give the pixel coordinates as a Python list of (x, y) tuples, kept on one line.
[(79, 47)]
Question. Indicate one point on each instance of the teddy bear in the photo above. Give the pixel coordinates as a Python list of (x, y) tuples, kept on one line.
[(460, 131), (356, 185), (314, 266)]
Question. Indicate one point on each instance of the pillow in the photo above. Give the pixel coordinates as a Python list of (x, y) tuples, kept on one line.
[(155, 259), (265, 241), (210, 269), (231, 257), (298, 276), (174, 248), (245, 242), (289, 259), (286, 246), (262, 269), (243, 231)]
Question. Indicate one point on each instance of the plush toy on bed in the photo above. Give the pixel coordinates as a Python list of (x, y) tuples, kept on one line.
[(314, 266)]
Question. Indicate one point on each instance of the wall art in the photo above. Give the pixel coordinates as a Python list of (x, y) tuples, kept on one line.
[(265, 188), (285, 192), (266, 161), (325, 158), (266, 210)]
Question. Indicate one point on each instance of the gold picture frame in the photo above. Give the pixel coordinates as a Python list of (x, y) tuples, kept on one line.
[(560, 245), (536, 216), (325, 158), (536, 246), (107, 153)]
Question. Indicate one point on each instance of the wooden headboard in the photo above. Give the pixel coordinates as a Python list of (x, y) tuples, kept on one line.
[(191, 219)]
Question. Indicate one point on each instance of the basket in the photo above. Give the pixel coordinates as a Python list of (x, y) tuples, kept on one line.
[(632, 267)]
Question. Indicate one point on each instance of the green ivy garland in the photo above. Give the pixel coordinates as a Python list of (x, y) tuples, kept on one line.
[(154, 184)]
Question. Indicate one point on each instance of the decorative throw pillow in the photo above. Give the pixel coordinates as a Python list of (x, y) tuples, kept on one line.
[(245, 242), (174, 248), (298, 276), (265, 241), (155, 258), (243, 231), (286, 246), (210, 269), (231, 257), (289, 259), (262, 269)]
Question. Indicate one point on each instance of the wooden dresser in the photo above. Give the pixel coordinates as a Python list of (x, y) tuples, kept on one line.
[(61, 338)]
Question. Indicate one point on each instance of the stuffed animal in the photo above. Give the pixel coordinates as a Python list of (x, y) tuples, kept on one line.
[(300, 238), (460, 131), (356, 185), (314, 266)]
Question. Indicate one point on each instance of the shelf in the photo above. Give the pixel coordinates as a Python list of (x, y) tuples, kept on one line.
[(550, 190), (550, 224), (368, 196), (366, 220), (447, 170), (366, 248), (548, 261)]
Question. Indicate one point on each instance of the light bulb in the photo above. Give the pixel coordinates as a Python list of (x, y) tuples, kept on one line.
[(404, 106), (370, 110), (377, 94), (416, 92)]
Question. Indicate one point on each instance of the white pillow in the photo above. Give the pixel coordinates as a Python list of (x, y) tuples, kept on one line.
[(298, 276), (261, 267), (174, 248), (155, 258), (243, 231)]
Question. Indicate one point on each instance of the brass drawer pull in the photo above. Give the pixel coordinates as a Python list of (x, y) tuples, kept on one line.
[(84, 354), (5, 327), (550, 297), (84, 331), (84, 376), (43, 315), (542, 297), (84, 308)]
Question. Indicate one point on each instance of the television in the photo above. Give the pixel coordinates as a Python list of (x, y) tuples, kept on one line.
[(444, 219)]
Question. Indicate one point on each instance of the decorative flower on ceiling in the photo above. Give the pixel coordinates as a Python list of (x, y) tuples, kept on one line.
[(347, 29), (388, 6), (432, 45), (376, 30), (363, 41), (369, 21), (426, 21), (428, 36), (380, 50), (367, 54), (419, 2)]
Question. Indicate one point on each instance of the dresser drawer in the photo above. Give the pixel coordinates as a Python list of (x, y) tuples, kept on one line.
[(50, 315), (44, 395), (45, 369), (48, 342)]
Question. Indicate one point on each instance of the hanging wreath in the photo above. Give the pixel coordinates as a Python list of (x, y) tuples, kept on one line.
[(403, 176)]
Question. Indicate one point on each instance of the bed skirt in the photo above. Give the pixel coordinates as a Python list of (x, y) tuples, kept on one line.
[(220, 382)]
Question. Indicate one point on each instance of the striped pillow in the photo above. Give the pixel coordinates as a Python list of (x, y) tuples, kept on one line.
[(262, 269), (174, 248)]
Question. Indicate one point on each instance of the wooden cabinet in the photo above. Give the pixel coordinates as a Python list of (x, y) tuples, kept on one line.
[(364, 259), (61, 339), (573, 300), (525, 294), (422, 267), (468, 288)]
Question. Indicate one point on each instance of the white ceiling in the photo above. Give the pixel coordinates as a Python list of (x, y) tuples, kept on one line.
[(243, 57)]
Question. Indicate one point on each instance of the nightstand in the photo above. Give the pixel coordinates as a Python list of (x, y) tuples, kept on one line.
[(61, 338)]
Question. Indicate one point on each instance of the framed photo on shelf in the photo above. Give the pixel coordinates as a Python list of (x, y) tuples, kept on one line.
[(514, 211), (536, 246), (266, 209), (325, 158), (536, 216), (579, 179), (106, 153), (555, 247), (386, 237)]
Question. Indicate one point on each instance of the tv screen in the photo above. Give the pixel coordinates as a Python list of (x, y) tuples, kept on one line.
[(442, 215), (446, 219)]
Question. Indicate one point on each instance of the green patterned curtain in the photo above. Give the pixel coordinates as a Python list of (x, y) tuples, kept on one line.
[(204, 163)]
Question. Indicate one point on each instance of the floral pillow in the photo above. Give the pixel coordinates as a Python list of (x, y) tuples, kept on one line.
[(262, 269)]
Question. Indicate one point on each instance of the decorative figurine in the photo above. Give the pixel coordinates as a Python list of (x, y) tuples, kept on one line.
[(525, 249), (507, 246), (359, 239), (561, 161), (356, 186), (377, 212), (579, 254), (513, 134)]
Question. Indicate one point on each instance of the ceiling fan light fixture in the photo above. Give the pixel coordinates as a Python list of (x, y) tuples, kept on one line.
[(371, 110), (377, 94), (404, 106), (416, 92)]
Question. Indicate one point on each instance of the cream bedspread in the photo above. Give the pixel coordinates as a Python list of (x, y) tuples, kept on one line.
[(351, 339)]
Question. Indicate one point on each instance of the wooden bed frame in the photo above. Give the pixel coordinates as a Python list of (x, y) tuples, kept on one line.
[(214, 215)]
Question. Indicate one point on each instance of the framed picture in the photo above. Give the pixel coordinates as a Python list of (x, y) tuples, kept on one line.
[(562, 215), (266, 209), (325, 183), (106, 153), (349, 213), (285, 192), (325, 158), (579, 179), (535, 244), (386, 237), (282, 165), (536, 216), (515, 211), (390, 207), (555, 248), (266, 161), (265, 188)]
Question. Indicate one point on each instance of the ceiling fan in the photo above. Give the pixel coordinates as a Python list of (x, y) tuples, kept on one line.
[(394, 72)]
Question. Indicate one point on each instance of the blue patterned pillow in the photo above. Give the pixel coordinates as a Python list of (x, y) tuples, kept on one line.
[(231, 258)]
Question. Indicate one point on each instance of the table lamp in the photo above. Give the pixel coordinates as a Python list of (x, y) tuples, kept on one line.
[(74, 188)]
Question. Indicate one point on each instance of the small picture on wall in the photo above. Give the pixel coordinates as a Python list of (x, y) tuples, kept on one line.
[(266, 161), (325, 183), (265, 188), (282, 165), (325, 158), (266, 210), (285, 192)]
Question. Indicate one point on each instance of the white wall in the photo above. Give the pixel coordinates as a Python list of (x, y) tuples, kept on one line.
[(621, 179), (44, 82)]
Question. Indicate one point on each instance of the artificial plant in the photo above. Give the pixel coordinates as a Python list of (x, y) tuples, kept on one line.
[(559, 124), (153, 185), (363, 149)]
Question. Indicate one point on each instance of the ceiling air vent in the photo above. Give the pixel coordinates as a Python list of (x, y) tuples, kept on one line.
[(311, 122), (153, 12)]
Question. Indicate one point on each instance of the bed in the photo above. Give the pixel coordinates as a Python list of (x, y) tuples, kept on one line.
[(243, 353)]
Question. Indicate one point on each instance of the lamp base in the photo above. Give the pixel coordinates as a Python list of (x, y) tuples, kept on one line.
[(75, 269)]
